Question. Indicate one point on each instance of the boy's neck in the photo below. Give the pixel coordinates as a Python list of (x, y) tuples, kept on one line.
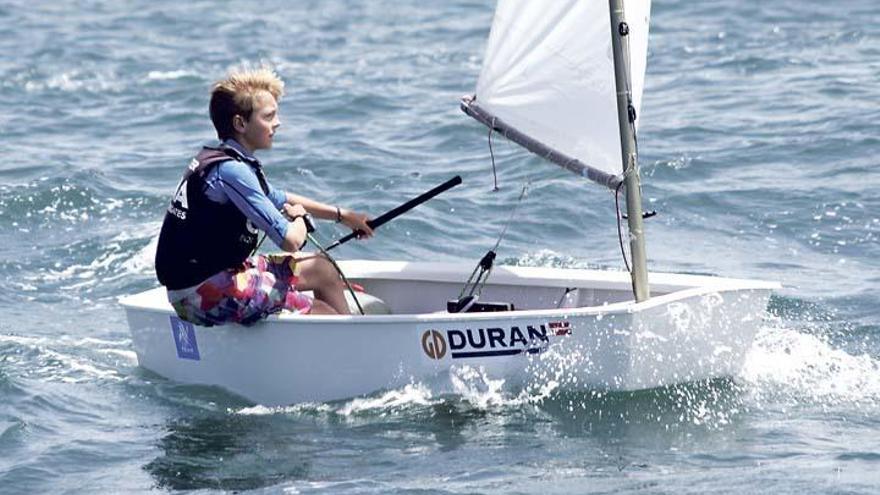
[(235, 143)]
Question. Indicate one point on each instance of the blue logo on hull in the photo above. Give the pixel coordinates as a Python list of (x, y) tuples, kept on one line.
[(184, 334)]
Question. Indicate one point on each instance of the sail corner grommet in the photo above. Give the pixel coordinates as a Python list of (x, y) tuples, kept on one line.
[(623, 28)]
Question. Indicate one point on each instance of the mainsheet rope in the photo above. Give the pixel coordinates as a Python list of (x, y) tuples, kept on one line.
[(323, 251), (473, 288)]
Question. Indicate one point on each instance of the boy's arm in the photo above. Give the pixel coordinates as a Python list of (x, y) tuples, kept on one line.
[(240, 185), (296, 230), (352, 219)]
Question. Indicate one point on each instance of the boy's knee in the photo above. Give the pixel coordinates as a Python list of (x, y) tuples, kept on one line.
[(328, 270)]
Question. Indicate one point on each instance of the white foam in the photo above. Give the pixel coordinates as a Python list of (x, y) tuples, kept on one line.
[(113, 262), (22, 340), (410, 394), (476, 386), (549, 258), (260, 410), (143, 260), (385, 403), (783, 364), (807, 368), (158, 75), (75, 369), (77, 80), (67, 365)]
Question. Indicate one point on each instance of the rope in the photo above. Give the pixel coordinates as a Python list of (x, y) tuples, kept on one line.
[(323, 251), (338, 270), (620, 226), (484, 267), (257, 247), (480, 275), (631, 162), (522, 194), (492, 155), (568, 290)]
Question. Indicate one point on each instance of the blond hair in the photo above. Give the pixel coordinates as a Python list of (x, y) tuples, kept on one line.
[(237, 95)]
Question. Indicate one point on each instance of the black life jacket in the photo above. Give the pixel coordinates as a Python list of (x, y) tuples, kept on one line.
[(201, 237)]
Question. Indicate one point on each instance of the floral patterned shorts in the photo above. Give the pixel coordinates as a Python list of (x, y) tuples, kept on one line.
[(263, 285)]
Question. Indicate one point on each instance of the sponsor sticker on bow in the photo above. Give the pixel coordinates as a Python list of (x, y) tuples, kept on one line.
[(184, 334)]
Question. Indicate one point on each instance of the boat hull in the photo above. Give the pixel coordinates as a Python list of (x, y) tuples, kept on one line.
[(685, 335)]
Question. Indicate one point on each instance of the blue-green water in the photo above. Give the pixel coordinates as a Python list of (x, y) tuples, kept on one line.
[(759, 151)]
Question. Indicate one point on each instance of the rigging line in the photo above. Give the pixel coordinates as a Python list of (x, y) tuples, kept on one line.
[(257, 247), (620, 227), (568, 290), (323, 251), (492, 155), (629, 90), (623, 33), (522, 194), (484, 267), (338, 270), (631, 161)]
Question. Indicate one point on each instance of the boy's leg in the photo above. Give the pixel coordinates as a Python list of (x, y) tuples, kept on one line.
[(319, 307), (238, 296), (319, 275)]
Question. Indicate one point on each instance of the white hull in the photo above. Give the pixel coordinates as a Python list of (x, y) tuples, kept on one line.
[(693, 328)]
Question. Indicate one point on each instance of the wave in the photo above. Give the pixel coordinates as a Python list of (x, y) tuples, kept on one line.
[(77, 81), (787, 364), (158, 75), (67, 359)]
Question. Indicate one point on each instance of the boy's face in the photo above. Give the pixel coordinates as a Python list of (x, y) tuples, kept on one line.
[(257, 132)]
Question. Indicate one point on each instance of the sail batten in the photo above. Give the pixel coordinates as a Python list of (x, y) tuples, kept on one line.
[(548, 76)]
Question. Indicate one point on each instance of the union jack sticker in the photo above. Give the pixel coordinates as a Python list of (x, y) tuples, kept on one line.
[(559, 327)]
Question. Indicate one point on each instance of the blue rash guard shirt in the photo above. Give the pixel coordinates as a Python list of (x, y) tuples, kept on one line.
[(235, 181)]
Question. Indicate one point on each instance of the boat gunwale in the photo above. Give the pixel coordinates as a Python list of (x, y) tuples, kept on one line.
[(708, 285)]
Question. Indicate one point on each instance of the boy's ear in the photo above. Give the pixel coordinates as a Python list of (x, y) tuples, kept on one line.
[(238, 123)]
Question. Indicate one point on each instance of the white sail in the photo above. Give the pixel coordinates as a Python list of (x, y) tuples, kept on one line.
[(638, 16), (548, 73)]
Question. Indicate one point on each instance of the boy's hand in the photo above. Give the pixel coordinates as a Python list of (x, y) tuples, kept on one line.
[(291, 211), (357, 222)]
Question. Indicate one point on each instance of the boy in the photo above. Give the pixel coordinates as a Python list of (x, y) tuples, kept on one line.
[(210, 228)]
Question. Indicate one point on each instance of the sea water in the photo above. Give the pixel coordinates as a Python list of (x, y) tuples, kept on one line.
[(759, 151)]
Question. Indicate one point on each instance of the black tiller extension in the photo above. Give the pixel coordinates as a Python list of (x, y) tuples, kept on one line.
[(399, 210)]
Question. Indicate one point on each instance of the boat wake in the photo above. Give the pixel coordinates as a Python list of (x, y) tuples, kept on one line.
[(792, 366), (784, 368)]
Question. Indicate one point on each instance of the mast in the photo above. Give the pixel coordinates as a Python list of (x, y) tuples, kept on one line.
[(626, 120)]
